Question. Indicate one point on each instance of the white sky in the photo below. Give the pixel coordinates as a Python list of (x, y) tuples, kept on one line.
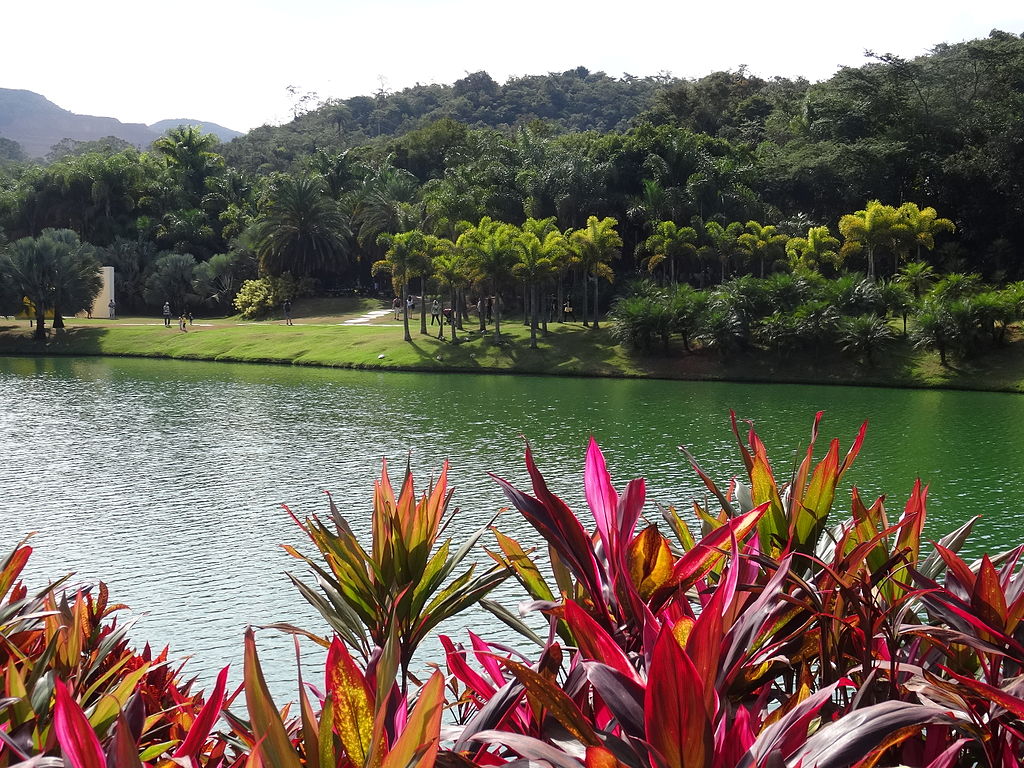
[(231, 62)]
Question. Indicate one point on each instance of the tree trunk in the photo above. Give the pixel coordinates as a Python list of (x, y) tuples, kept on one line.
[(453, 317), (871, 263), (560, 304), (526, 303), (40, 334), (423, 305), (533, 316), (58, 318), (595, 303), (586, 320), (497, 315), (405, 309)]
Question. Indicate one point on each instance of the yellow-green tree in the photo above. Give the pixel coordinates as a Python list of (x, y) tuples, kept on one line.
[(877, 226), (596, 245), (761, 241), (668, 243), (807, 254)]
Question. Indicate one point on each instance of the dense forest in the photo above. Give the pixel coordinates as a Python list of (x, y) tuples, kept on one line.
[(312, 198)]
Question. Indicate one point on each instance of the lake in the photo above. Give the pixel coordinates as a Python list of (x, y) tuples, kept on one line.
[(165, 478)]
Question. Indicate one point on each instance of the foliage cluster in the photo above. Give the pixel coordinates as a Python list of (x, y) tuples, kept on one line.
[(314, 196), (780, 636)]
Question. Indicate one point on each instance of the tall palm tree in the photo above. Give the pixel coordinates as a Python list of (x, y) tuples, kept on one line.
[(722, 242), (303, 231), (807, 254), (921, 226), (190, 156), (537, 263), (595, 246), (760, 241), (403, 252), (669, 242), (877, 226), (452, 269), (490, 245)]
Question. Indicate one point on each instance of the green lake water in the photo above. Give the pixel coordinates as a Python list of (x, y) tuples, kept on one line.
[(165, 478)]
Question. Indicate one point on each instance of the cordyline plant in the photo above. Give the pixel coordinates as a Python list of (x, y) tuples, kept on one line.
[(73, 687), (778, 638)]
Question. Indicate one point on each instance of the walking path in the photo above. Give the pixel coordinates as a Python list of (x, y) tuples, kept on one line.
[(367, 318)]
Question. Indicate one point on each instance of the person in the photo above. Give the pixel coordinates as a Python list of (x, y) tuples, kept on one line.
[(567, 311), (397, 306), (110, 306), (447, 317), (287, 312), (167, 314), (481, 312), (181, 323), (435, 312), (410, 304), (490, 308), (189, 316)]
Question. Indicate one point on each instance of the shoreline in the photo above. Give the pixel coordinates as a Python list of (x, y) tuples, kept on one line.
[(569, 350)]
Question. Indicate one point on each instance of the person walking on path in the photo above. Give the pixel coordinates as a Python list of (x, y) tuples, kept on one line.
[(396, 305), (287, 312), (435, 312), (181, 323), (167, 314)]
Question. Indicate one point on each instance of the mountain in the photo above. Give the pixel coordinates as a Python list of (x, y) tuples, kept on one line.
[(37, 124), (222, 133)]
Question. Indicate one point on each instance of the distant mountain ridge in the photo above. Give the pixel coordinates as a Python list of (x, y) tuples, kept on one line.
[(37, 124)]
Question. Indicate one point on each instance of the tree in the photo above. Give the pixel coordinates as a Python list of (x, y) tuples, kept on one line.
[(403, 253), (864, 335), (302, 232), (918, 276), (668, 243), (537, 263), (807, 254), (32, 266), (190, 157), (77, 279), (921, 227), (722, 242), (55, 272), (761, 241), (171, 280), (595, 246), (491, 247), (452, 268), (877, 226)]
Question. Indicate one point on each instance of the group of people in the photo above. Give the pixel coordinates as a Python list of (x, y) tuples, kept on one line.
[(184, 319)]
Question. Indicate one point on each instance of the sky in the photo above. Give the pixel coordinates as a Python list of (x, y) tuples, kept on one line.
[(232, 63)]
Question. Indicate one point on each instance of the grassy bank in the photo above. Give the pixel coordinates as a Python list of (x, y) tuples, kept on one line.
[(321, 337)]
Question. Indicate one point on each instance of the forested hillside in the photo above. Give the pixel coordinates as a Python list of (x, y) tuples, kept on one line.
[(942, 132)]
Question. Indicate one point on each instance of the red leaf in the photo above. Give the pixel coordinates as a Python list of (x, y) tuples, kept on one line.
[(203, 724), (676, 721), (76, 737)]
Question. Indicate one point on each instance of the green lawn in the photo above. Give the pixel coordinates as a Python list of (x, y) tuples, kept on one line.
[(319, 338)]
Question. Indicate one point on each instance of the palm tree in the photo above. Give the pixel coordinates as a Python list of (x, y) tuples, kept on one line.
[(451, 268), (402, 255), (876, 226), (491, 248), (537, 263), (32, 265), (77, 279), (918, 276), (189, 155), (669, 242), (595, 246), (761, 241), (723, 242), (303, 231), (863, 335), (807, 254), (922, 225)]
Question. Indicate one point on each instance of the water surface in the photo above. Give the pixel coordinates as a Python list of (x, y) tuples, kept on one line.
[(165, 478)]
